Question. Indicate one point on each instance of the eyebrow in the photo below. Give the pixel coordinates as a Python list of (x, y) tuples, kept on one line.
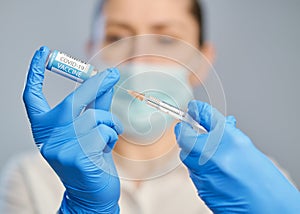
[(120, 24), (157, 26), (165, 24)]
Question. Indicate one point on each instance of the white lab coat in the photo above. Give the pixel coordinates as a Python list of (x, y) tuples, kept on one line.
[(29, 185)]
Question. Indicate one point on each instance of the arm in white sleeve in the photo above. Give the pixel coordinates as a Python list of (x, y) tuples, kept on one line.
[(14, 194)]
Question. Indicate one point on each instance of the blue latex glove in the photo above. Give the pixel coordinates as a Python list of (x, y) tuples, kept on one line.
[(77, 145), (230, 173)]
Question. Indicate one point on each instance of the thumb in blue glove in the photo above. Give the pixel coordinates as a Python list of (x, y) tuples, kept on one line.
[(76, 138), (229, 172)]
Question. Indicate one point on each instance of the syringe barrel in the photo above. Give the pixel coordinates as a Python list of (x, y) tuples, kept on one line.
[(174, 112), (165, 107)]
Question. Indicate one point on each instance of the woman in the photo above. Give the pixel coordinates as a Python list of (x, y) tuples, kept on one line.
[(32, 186)]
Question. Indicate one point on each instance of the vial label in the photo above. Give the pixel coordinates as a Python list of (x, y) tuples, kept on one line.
[(69, 66)]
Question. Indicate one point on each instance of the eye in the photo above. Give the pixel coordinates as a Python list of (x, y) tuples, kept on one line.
[(112, 38), (166, 40)]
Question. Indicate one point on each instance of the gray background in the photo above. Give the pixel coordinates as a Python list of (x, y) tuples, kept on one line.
[(257, 61)]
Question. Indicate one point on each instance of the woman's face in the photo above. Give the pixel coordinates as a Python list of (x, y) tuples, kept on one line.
[(125, 18), (121, 19)]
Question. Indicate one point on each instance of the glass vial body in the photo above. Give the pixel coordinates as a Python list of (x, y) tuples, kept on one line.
[(70, 67)]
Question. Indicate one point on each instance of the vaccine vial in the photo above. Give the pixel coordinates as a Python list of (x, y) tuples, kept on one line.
[(70, 67)]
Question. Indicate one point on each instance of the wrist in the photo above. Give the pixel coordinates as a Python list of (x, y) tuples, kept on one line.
[(69, 206)]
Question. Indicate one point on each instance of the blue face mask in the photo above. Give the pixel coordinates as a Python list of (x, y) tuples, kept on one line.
[(143, 124)]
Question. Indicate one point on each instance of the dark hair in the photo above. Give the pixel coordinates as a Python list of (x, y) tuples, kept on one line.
[(196, 10)]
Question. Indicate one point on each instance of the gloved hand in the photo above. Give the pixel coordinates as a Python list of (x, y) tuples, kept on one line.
[(77, 144), (229, 172)]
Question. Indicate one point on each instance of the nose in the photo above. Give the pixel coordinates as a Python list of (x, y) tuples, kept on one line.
[(146, 50)]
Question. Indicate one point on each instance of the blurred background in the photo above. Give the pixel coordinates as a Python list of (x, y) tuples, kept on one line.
[(257, 61)]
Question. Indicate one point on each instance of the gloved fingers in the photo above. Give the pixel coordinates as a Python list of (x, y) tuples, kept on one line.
[(190, 160), (231, 120), (103, 102), (206, 115), (206, 144), (113, 138), (188, 140), (33, 96), (91, 89), (92, 118), (97, 139)]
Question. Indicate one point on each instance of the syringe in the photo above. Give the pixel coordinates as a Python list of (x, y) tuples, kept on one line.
[(168, 109)]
